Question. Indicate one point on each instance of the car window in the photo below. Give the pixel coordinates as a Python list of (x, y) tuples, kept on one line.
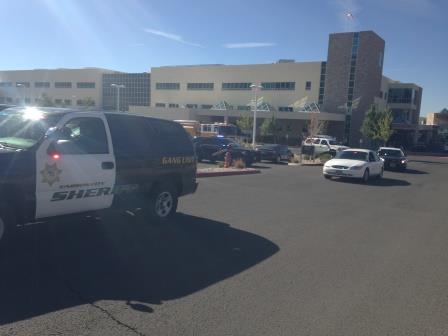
[(309, 141), (129, 135), (390, 152), (371, 157), (324, 142), (170, 137), (316, 141), (83, 136), (353, 155)]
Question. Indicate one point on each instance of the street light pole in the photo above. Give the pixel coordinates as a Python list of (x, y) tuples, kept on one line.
[(20, 85), (118, 87), (255, 89)]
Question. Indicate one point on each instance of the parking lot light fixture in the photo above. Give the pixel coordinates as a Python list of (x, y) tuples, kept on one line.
[(118, 87), (255, 88)]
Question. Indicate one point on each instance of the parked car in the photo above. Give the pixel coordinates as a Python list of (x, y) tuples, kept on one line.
[(354, 163), (63, 162), (324, 145), (274, 153), (214, 149), (393, 158)]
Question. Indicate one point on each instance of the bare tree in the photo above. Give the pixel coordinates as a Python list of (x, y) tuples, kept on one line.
[(316, 126)]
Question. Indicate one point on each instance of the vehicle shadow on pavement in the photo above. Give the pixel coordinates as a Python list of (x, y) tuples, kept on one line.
[(383, 182), (410, 171), (430, 162), (120, 257)]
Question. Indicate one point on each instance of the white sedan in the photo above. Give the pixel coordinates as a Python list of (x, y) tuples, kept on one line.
[(355, 163)]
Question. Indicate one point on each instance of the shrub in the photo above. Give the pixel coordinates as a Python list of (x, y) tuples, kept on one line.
[(324, 157), (239, 163)]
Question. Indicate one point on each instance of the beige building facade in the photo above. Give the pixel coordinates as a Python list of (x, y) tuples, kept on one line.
[(58, 87), (283, 83)]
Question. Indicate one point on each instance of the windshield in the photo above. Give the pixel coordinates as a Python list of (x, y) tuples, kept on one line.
[(390, 152), (22, 130), (352, 155)]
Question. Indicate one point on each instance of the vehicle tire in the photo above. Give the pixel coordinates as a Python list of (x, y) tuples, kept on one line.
[(163, 202), (328, 177), (7, 226), (366, 176)]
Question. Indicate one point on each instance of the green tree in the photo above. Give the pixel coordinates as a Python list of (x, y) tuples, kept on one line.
[(245, 123), (45, 101), (88, 102), (269, 127), (377, 124)]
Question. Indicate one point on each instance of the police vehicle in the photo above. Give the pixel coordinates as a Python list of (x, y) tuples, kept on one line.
[(56, 162)]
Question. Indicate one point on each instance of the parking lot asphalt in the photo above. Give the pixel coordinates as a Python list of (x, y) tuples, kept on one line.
[(284, 252)]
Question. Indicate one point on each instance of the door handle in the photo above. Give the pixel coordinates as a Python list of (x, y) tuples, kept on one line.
[(107, 165)]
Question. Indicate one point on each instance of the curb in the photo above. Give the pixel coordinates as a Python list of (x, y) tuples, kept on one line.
[(210, 173)]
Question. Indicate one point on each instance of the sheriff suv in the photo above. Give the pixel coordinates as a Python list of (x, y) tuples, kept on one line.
[(56, 162)]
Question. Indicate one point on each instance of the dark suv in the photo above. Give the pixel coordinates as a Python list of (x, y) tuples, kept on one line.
[(59, 162), (214, 149)]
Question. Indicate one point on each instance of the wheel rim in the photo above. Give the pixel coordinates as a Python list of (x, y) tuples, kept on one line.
[(164, 204), (2, 229)]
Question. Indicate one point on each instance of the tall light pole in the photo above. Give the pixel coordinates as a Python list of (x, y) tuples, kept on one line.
[(118, 87), (20, 86), (255, 89)]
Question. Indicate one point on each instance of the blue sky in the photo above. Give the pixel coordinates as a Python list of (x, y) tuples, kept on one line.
[(135, 35)]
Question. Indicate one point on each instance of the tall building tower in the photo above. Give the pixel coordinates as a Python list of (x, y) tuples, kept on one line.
[(353, 78)]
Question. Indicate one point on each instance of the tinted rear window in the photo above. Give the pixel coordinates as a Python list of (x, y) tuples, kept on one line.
[(129, 134), (170, 137)]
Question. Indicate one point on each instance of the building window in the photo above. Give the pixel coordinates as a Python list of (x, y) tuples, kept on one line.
[(58, 101), (167, 86), (308, 86), (400, 96), (192, 106), (67, 102), (278, 86), (42, 85), (62, 85), (173, 105), (285, 109), (236, 86), (5, 84), (8, 99), (85, 85), (206, 107), (243, 108), (23, 84), (27, 100), (200, 86), (160, 105), (2, 100)]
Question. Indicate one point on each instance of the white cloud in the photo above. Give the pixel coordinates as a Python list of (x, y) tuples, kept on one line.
[(170, 36), (248, 45)]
